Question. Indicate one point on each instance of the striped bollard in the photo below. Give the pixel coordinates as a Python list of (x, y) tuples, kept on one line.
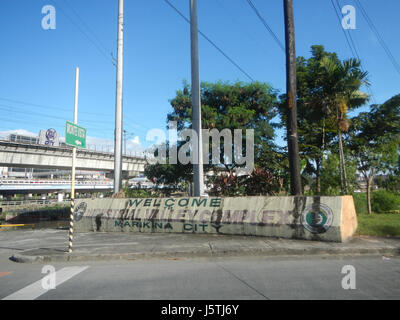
[(71, 225)]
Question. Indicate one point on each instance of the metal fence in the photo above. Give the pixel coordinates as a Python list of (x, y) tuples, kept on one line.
[(15, 203)]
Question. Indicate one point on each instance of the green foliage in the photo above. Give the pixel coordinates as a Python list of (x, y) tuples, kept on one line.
[(231, 106), (168, 174), (136, 193), (330, 176), (389, 182), (227, 185), (360, 203), (260, 182), (378, 201), (224, 106), (374, 146), (384, 201), (276, 162), (387, 117), (375, 136), (374, 141), (326, 89)]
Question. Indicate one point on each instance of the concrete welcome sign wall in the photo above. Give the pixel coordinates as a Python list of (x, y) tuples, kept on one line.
[(312, 218)]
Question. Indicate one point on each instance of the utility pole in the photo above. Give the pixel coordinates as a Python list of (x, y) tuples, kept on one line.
[(118, 102), (291, 90), (72, 209), (198, 177)]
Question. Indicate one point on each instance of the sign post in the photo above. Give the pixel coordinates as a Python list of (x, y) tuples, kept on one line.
[(74, 136)]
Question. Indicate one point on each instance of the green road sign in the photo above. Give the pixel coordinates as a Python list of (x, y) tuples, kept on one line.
[(75, 135)]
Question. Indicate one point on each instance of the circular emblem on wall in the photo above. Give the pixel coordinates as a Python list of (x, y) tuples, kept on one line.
[(79, 211), (51, 135), (317, 218)]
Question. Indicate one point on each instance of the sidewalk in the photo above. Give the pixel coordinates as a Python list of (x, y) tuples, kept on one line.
[(49, 245)]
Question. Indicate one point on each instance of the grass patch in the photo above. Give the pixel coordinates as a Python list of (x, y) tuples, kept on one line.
[(379, 225)]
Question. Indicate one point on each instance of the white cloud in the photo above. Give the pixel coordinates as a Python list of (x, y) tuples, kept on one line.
[(4, 134), (133, 146), (136, 140)]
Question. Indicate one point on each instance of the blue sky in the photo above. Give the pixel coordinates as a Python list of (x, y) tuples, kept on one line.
[(38, 66)]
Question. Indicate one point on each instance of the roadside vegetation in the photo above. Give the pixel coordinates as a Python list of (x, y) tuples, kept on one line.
[(384, 221), (379, 225), (339, 153)]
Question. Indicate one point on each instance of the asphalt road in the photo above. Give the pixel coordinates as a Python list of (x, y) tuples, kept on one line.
[(231, 278)]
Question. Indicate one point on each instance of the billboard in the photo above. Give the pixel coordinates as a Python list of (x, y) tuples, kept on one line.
[(49, 137)]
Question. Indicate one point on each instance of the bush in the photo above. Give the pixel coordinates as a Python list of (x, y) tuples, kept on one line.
[(136, 193), (260, 182), (384, 201)]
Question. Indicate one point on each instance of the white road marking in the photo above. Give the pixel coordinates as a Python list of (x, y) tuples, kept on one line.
[(35, 289)]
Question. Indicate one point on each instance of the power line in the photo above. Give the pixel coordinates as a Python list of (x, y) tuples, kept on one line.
[(52, 107), (351, 43), (266, 25), (56, 123), (379, 37), (369, 89), (47, 107), (344, 31), (99, 49), (20, 121), (211, 42), (348, 35), (135, 127), (87, 26), (15, 110), (236, 22), (42, 115), (12, 109)]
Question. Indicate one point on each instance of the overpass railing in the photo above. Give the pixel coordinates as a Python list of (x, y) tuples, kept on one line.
[(93, 148), (49, 181), (17, 203)]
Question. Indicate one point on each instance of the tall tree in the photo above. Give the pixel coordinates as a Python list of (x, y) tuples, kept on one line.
[(231, 106), (234, 106), (326, 89), (342, 83), (375, 141)]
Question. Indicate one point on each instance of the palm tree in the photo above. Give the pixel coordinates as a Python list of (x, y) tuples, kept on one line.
[(341, 84)]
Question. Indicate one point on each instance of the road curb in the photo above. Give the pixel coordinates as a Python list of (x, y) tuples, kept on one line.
[(273, 252)]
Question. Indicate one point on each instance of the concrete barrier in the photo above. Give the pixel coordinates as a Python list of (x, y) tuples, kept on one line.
[(311, 218)]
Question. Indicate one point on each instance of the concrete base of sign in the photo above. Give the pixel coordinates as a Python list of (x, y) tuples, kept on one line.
[(311, 218)]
